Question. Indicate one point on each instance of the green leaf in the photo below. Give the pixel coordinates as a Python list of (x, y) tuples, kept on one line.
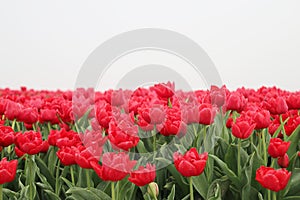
[(179, 179), (84, 193), (292, 188), (51, 195), (231, 175), (217, 193), (291, 198), (10, 194), (246, 178), (223, 184), (201, 185), (294, 139), (141, 147), (67, 182), (172, 194)]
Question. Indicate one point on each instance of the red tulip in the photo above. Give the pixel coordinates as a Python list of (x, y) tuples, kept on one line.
[(272, 179), (66, 155), (174, 124), (122, 133), (277, 106), (283, 161), (103, 113), (48, 115), (262, 119), (83, 157), (277, 147), (13, 110), (217, 95), (7, 170), (28, 115), (236, 101), (164, 90), (143, 176), (7, 136), (293, 101), (29, 142), (206, 114), (242, 128), (191, 163), (61, 138), (115, 166)]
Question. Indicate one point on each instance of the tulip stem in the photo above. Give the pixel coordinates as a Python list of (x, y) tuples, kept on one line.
[(88, 180), (30, 177), (57, 178), (2, 153), (269, 195), (264, 148), (239, 158), (1, 194), (72, 175), (154, 139), (274, 196), (204, 135), (113, 191), (191, 188), (13, 124)]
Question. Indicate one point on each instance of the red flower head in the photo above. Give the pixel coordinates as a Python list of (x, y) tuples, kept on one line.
[(7, 170), (206, 114), (242, 128), (13, 110), (277, 147), (283, 161), (48, 115), (7, 136), (143, 176), (115, 166), (122, 133), (28, 115), (236, 101), (293, 101), (272, 179), (63, 138), (66, 155), (164, 90), (29, 142), (103, 113), (217, 95), (174, 124), (277, 106), (83, 157), (191, 163), (262, 119)]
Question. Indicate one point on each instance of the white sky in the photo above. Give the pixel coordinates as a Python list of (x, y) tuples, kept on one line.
[(252, 43)]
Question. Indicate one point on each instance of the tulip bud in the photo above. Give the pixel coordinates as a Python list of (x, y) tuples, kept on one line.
[(283, 161), (153, 189)]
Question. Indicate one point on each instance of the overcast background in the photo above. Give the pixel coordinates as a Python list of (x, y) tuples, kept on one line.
[(252, 43)]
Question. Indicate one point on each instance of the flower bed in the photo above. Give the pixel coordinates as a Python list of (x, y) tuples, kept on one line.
[(151, 143)]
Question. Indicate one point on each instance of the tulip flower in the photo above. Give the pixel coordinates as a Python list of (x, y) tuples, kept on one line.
[(191, 163), (272, 179), (242, 129), (7, 170), (277, 147), (7, 136), (143, 176), (283, 161), (30, 142)]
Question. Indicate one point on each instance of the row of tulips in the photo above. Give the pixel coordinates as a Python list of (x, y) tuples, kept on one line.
[(150, 143)]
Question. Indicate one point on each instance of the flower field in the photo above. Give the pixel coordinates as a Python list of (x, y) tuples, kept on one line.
[(150, 143)]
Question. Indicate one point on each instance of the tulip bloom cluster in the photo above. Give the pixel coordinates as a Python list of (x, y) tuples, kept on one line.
[(150, 143)]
